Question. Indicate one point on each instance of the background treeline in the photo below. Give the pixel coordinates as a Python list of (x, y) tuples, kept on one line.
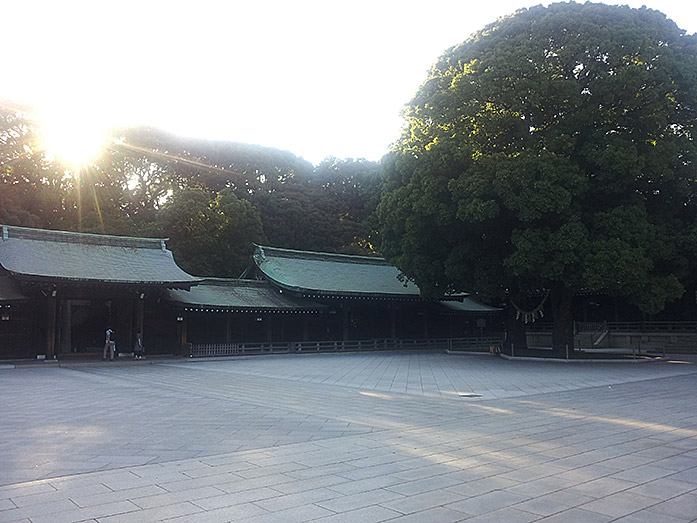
[(213, 199)]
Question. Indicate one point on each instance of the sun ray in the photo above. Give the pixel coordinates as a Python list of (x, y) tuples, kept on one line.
[(96, 205), (78, 193), (74, 139)]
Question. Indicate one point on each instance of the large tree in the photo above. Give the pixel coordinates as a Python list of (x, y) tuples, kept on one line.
[(552, 152), (210, 234), (32, 190)]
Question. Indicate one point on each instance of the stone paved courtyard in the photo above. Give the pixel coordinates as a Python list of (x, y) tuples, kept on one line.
[(349, 437)]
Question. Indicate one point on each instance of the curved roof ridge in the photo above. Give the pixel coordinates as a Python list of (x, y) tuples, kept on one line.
[(29, 233), (330, 256)]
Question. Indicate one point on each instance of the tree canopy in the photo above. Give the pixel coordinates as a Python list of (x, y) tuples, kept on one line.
[(212, 198), (210, 234), (551, 152), (323, 208)]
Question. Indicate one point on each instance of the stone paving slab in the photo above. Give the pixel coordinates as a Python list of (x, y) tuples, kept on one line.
[(349, 437)]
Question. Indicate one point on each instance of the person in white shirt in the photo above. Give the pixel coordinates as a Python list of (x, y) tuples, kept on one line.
[(109, 345)]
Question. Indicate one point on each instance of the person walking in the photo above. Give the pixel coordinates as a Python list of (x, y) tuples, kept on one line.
[(138, 348), (109, 345)]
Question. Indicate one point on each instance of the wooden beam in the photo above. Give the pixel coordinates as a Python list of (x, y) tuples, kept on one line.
[(140, 314), (51, 326), (346, 323), (181, 333), (393, 322), (65, 331)]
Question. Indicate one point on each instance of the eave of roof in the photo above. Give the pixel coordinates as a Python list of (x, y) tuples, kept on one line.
[(234, 295), (466, 306), (10, 291)]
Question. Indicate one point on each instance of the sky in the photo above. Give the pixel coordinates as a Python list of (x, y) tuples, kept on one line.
[(317, 78)]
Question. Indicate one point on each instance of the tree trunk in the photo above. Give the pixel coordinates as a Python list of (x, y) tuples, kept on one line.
[(563, 329), (515, 329)]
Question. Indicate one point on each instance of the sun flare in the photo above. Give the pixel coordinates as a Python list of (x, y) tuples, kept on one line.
[(71, 139)]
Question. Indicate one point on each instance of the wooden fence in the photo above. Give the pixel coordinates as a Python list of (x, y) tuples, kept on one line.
[(623, 326), (469, 344)]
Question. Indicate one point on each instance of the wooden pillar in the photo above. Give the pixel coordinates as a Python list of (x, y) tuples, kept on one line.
[(269, 331), (393, 322), (425, 324), (140, 315), (345, 336), (181, 333), (66, 327), (184, 333), (228, 328), (132, 326), (51, 326), (306, 327)]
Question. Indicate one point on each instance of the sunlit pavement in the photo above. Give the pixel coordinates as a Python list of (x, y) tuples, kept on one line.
[(349, 437)]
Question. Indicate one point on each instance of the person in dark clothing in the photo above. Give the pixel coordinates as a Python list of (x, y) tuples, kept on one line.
[(109, 345), (138, 348)]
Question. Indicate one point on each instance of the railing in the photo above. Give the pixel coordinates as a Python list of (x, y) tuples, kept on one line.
[(632, 326), (539, 327), (474, 344), (590, 326), (653, 326)]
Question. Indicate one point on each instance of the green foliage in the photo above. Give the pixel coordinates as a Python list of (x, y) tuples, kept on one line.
[(552, 150), (212, 198), (216, 165), (327, 208), (31, 189), (210, 235)]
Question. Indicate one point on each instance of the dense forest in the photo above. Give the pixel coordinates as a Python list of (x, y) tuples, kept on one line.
[(213, 199)]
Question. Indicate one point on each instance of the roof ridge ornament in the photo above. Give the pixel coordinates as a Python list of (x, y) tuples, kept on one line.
[(5, 232)]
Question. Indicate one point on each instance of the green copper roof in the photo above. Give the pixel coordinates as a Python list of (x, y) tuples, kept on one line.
[(322, 274), (240, 295), (97, 258)]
